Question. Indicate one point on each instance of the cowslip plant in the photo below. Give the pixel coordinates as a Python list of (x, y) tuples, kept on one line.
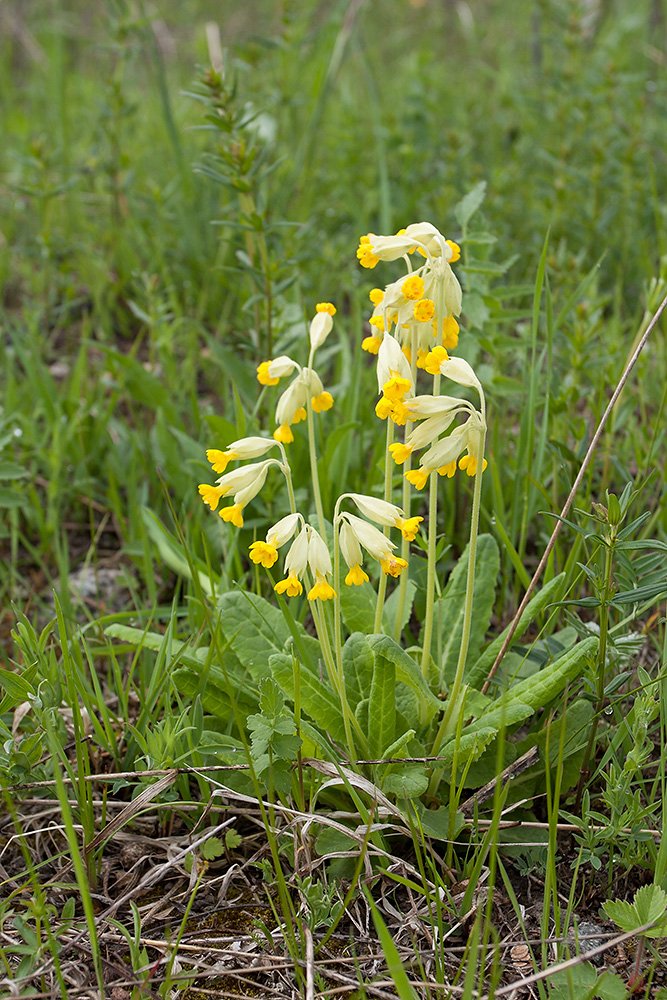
[(365, 690)]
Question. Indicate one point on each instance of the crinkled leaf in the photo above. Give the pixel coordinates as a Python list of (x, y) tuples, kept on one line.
[(477, 674), (254, 629), (382, 704), (357, 606), (358, 659), (317, 699), (406, 781), (449, 609), (407, 672)]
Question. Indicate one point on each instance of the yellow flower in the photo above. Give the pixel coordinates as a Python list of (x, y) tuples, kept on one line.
[(321, 589), (263, 554), (434, 359), (378, 322), (365, 254), (376, 296), (301, 414), (418, 477), (400, 452), (413, 287), (399, 413), (233, 515), (450, 333), (210, 495), (323, 401), (326, 307), (393, 566), (283, 434), (356, 576), (456, 251), (424, 310), (409, 527), (263, 376), (371, 344), (383, 407), (396, 387), (470, 463), (447, 470), (291, 586), (219, 459)]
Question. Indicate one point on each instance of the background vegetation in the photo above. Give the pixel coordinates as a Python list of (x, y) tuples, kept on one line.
[(163, 229)]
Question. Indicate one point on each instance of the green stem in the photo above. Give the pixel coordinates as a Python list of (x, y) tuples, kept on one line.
[(382, 586), (313, 458), (455, 690), (432, 505), (287, 472), (602, 659), (405, 545)]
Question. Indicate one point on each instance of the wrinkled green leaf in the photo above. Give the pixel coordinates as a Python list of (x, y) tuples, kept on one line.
[(478, 672), (449, 609), (317, 699), (254, 629), (357, 606), (358, 660), (408, 673), (382, 704)]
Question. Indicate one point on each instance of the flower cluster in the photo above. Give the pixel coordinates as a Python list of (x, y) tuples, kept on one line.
[(411, 302), (291, 408), (308, 551), (244, 483), (356, 534), (422, 305)]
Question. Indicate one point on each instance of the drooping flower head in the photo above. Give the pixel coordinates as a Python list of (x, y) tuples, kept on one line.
[(307, 552), (244, 483), (410, 302)]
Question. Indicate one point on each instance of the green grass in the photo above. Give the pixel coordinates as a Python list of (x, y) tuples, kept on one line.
[(165, 227)]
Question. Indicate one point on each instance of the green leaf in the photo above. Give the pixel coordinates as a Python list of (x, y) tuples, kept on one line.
[(233, 839), (408, 673), (611, 987), (650, 903), (390, 610), (622, 913), (358, 660), (469, 204), (254, 629), (16, 686), (12, 470), (449, 608), (435, 822), (317, 699), (212, 848), (539, 689), (477, 675), (382, 704), (406, 781), (357, 606), (11, 498), (470, 746), (575, 983)]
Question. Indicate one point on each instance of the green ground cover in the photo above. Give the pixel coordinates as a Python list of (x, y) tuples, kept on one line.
[(178, 189)]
